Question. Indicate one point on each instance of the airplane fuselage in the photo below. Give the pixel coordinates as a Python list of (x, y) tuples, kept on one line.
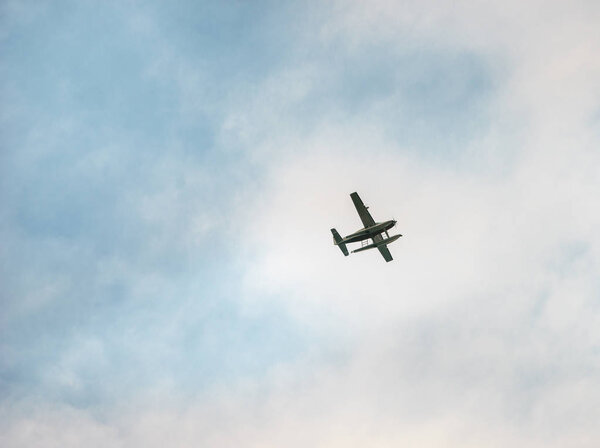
[(369, 232)]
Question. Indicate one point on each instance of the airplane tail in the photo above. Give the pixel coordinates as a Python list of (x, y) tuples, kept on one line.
[(337, 240)]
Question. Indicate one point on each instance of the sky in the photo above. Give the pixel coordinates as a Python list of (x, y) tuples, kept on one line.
[(169, 173)]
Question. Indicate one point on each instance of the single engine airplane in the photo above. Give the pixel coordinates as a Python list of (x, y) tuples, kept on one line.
[(371, 230)]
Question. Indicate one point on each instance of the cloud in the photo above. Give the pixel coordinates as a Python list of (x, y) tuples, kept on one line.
[(116, 270), (493, 292), (474, 126)]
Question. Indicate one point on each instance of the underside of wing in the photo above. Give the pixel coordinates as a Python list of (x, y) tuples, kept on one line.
[(364, 214), (383, 250)]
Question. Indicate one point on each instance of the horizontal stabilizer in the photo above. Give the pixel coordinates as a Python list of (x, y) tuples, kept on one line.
[(337, 240)]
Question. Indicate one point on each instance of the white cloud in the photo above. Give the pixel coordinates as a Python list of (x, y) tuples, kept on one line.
[(483, 331), (493, 291)]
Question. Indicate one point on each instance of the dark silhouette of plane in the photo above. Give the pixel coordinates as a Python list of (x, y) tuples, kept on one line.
[(371, 230)]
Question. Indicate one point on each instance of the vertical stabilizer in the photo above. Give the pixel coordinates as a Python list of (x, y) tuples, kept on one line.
[(337, 240)]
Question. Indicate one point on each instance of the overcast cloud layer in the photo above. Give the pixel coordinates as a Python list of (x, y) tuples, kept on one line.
[(168, 178)]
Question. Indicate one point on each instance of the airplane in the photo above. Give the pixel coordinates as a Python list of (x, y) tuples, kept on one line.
[(371, 230)]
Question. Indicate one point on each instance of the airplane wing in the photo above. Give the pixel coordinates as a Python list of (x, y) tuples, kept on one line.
[(383, 250), (364, 214)]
